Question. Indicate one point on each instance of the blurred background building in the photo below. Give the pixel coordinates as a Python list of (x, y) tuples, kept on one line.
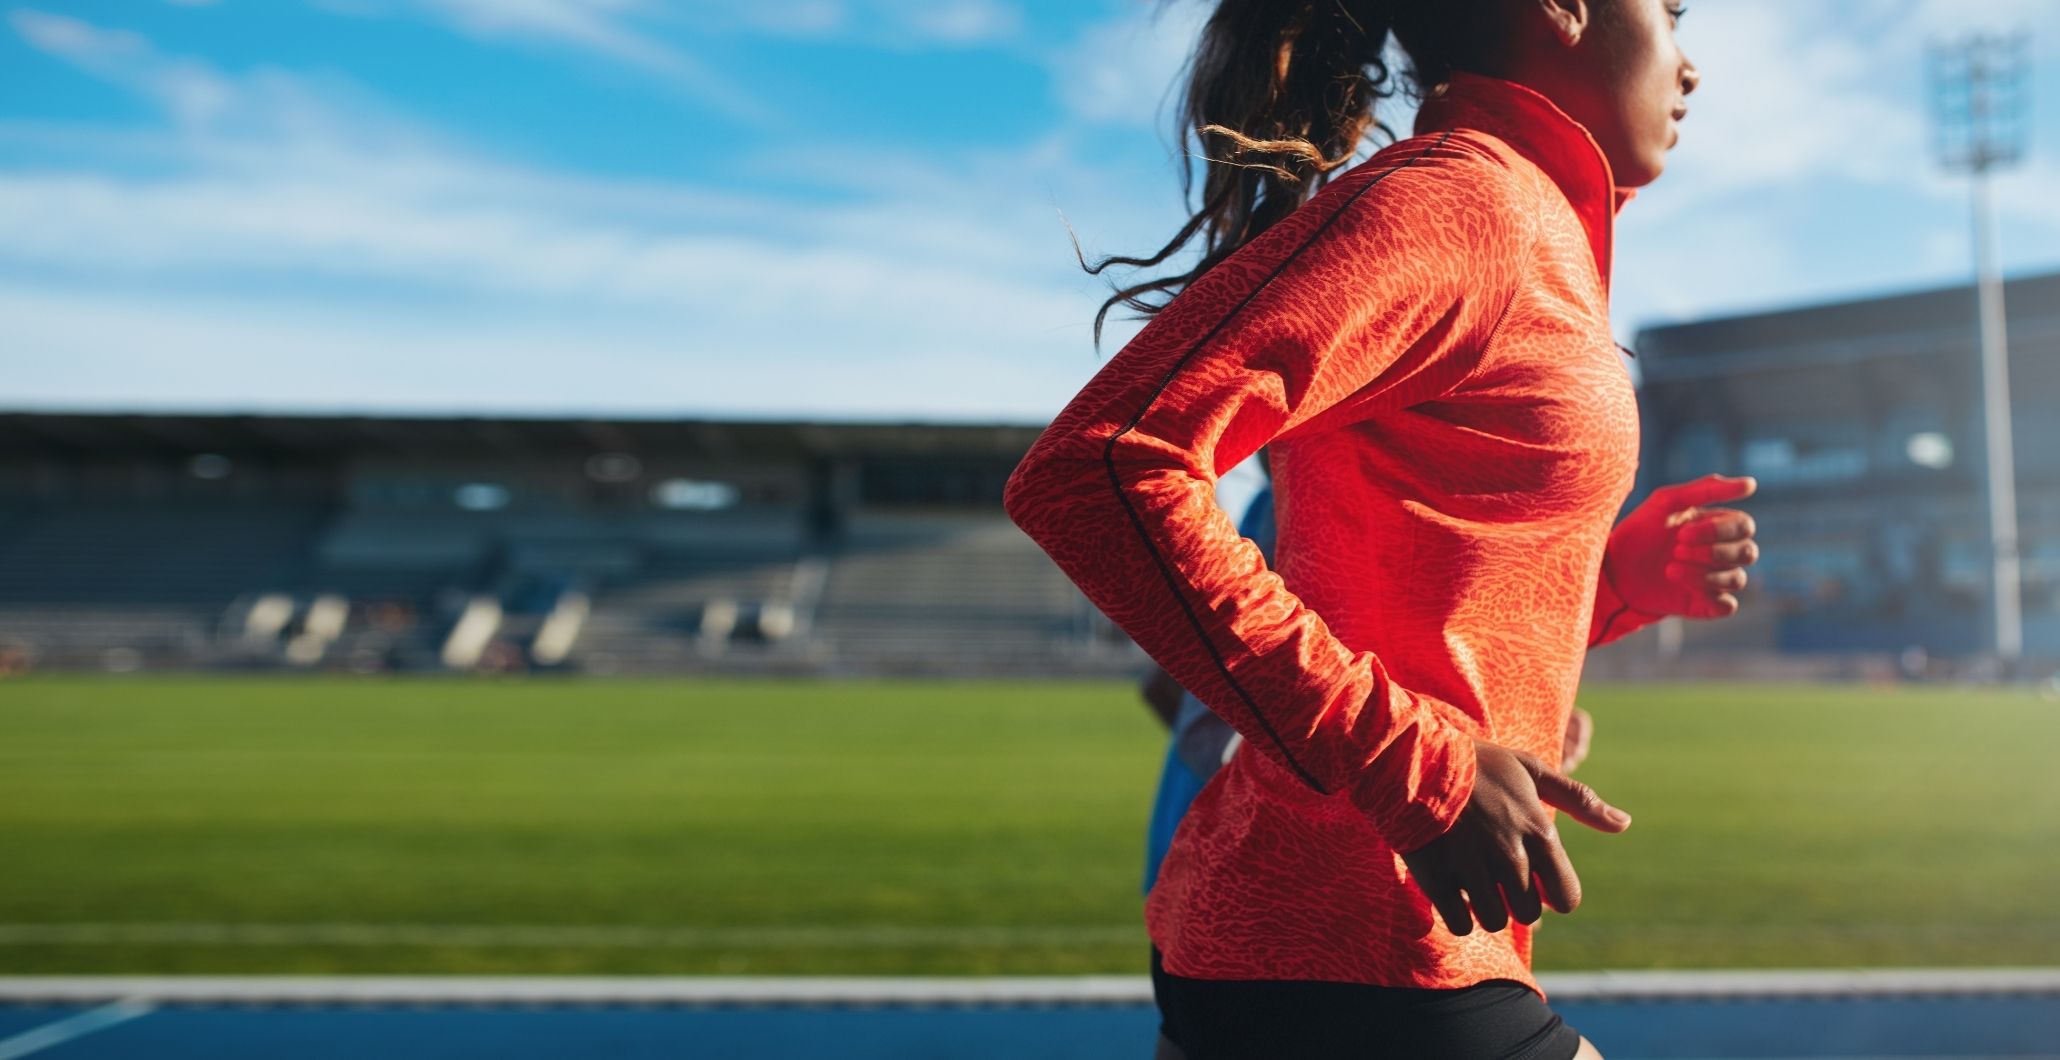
[(1862, 423), (615, 545), (372, 544)]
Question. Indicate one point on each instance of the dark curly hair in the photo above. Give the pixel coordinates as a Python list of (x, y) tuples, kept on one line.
[(1281, 94)]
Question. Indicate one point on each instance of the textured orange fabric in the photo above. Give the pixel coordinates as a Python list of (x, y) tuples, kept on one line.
[(1426, 348)]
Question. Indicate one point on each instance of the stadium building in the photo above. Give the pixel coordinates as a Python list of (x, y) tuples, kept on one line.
[(614, 545), (1862, 422), (373, 544)]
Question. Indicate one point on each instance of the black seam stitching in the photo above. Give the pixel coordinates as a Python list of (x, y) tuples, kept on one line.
[(1137, 521), (1603, 636), (1622, 604)]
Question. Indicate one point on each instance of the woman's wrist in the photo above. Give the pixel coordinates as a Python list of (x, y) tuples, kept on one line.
[(1609, 588), (1615, 616)]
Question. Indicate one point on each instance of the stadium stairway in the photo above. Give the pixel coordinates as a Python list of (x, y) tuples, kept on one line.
[(398, 614), (947, 593), (682, 605)]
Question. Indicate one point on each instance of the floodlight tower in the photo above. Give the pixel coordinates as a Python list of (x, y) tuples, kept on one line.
[(1979, 95)]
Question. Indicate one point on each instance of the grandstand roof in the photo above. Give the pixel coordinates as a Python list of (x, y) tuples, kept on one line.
[(330, 436), (1911, 322)]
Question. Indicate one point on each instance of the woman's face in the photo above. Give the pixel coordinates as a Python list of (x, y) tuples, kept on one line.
[(1628, 82)]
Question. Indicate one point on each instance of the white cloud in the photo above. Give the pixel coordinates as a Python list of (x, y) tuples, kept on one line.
[(935, 283), (756, 306), (347, 200), (250, 354), (1934, 19), (959, 21), (283, 111), (1782, 103), (473, 237), (288, 171), (608, 29), (1816, 115), (882, 23), (69, 38), (1808, 95), (1122, 71), (806, 18), (948, 277), (190, 91), (594, 25), (630, 30)]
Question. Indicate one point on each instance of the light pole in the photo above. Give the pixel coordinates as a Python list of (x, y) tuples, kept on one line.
[(1978, 92)]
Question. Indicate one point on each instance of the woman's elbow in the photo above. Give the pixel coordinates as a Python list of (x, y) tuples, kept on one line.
[(1024, 497), (1046, 489)]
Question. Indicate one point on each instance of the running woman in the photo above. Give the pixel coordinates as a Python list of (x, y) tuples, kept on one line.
[(1423, 343)]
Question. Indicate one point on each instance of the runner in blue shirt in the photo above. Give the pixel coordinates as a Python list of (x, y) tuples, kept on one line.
[(1201, 741)]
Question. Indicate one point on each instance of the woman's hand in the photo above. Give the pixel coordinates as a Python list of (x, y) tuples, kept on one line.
[(1673, 555), (1504, 851)]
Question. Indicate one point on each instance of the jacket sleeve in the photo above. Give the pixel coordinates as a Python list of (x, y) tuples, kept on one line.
[(1379, 293)]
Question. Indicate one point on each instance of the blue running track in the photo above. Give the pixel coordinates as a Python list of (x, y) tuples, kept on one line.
[(1724, 1026)]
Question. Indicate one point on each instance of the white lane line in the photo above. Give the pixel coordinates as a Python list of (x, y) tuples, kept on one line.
[(1868, 986), (1827, 983), (64, 1030), (776, 936), (553, 936), (578, 990)]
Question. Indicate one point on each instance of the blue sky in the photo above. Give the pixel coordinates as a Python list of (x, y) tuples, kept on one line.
[(850, 209)]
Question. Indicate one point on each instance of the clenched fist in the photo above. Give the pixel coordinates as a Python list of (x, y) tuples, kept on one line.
[(1676, 555)]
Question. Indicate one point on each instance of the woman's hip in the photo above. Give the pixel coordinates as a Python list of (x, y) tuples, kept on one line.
[(1499, 1019)]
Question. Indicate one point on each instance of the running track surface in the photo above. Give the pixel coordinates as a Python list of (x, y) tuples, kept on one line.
[(1876, 1025)]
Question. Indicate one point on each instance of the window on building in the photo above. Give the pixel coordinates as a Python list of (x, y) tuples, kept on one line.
[(941, 480), (1930, 449), (482, 496), (695, 495), (1697, 449), (1802, 453), (1914, 436), (210, 466)]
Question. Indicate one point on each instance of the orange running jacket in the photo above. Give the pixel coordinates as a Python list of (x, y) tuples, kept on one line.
[(1425, 346)]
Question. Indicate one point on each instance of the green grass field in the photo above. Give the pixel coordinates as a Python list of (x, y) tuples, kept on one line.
[(207, 825)]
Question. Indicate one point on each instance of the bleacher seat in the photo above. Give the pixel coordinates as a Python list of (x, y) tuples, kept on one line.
[(946, 592)]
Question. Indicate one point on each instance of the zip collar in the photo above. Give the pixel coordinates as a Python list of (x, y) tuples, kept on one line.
[(1545, 135)]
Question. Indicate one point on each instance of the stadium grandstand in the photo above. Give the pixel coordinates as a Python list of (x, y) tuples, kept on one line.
[(615, 545), (1862, 423), (386, 543)]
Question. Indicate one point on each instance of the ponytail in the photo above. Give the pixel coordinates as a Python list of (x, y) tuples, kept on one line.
[(1279, 95)]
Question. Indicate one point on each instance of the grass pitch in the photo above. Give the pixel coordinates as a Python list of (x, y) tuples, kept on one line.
[(543, 826)]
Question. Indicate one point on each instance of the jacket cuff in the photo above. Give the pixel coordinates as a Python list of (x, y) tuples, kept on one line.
[(1414, 791), (1613, 619)]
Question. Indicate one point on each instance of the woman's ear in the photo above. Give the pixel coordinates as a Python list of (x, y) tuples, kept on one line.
[(1567, 19)]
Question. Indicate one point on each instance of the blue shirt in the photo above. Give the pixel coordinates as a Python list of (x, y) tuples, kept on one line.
[(1196, 730)]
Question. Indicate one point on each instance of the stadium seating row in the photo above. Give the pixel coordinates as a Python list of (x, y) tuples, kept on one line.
[(261, 585)]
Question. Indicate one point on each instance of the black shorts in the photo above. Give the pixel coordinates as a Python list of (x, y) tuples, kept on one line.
[(1289, 1020)]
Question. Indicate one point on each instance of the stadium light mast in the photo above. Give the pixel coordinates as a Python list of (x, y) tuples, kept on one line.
[(1979, 97)]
